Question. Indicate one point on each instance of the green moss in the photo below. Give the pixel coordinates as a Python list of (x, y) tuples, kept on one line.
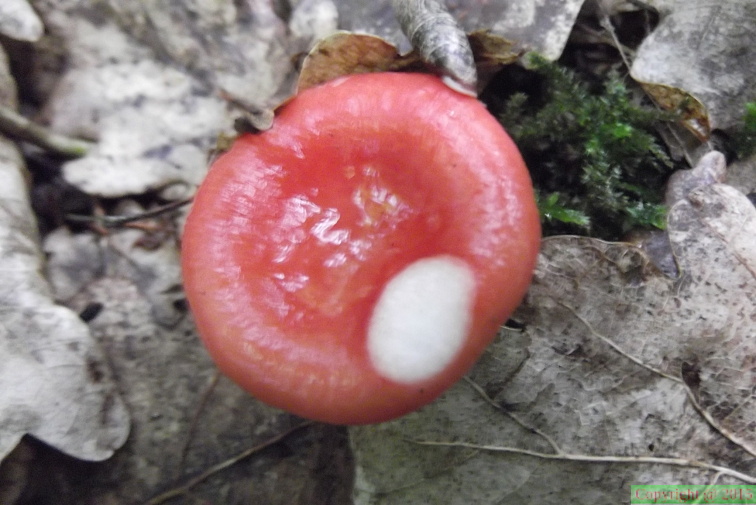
[(744, 140), (596, 163)]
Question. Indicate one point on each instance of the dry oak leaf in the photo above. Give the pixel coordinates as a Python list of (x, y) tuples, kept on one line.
[(146, 80), (54, 380), (706, 49), (618, 377)]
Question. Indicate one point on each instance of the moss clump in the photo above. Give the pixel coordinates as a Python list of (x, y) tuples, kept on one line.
[(744, 140), (595, 161)]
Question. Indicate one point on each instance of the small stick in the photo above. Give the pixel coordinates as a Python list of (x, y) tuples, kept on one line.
[(116, 221), (20, 127), (587, 458), (183, 489)]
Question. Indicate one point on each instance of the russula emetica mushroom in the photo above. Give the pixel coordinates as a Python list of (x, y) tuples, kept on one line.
[(351, 263)]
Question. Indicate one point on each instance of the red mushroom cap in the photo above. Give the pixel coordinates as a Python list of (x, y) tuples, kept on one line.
[(351, 263)]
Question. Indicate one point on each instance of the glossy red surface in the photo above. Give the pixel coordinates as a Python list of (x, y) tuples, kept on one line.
[(295, 232)]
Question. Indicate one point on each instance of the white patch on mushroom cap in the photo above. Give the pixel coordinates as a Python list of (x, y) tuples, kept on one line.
[(421, 319)]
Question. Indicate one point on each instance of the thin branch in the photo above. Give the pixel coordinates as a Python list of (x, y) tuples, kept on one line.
[(606, 24), (559, 454), (20, 127), (195, 418), (478, 389), (185, 488), (617, 348), (116, 221), (586, 458)]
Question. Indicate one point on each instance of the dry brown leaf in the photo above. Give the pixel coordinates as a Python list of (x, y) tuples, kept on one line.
[(491, 49), (345, 53), (692, 112)]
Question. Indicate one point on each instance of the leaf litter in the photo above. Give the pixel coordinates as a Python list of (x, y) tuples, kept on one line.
[(616, 359)]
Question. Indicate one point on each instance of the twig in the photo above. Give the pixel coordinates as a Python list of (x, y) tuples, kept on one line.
[(606, 24), (20, 127), (116, 221), (195, 418), (586, 458), (617, 348), (183, 489), (516, 419), (559, 454)]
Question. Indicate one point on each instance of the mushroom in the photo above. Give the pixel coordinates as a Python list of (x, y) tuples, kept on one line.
[(353, 262)]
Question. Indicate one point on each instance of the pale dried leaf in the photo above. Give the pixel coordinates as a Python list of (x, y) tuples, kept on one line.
[(741, 174), (76, 260), (537, 25), (312, 20), (54, 380), (147, 80), (721, 359), (8, 93), (597, 371), (19, 21), (710, 169), (164, 140), (164, 373), (706, 49)]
